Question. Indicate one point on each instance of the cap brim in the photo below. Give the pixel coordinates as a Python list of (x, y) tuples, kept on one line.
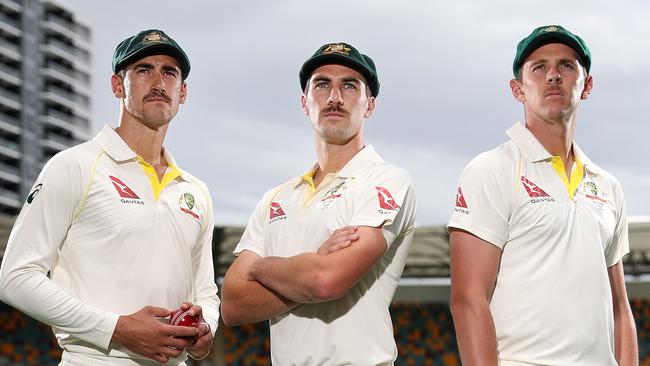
[(157, 49), (548, 38), (331, 58)]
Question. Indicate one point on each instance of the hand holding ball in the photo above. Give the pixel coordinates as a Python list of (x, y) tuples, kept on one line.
[(180, 317)]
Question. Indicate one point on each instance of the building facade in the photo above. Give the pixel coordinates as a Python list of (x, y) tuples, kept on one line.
[(45, 88)]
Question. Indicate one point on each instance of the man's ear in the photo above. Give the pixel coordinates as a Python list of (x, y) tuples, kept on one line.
[(589, 84), (370, 108), (117, 86), (517, 90), (183, 95), (303, 105)]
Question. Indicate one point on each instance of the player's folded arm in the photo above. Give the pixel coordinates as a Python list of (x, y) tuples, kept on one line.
[(310, 277), (245, 300)]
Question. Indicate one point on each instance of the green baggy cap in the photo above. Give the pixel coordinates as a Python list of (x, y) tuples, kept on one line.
[(341, 54), (550, 34), (147, 43)]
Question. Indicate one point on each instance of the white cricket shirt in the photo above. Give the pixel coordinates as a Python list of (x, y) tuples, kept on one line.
[(297, 218), (93, 222), (552, 304)]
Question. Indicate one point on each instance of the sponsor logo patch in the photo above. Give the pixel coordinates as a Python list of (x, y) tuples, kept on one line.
[(461, 204), (127, 194), (386, 201), (535, 193), (276, 213), (35, 191)]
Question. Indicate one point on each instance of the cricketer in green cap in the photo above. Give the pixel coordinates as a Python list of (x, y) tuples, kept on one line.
[(341, 54), (560, 240), (147, 43), (550, 34)]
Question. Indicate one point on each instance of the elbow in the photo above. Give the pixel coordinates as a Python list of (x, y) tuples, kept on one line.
[(5, 284), (462, 304), (230, 315), (325, 287)]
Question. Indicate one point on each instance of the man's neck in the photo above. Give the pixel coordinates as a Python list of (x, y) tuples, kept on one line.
[(145, 142), (556, 137), (332, 158)]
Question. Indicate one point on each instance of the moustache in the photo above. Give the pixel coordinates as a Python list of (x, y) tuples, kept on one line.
[(554, 88), (157, 94), (335, 108)]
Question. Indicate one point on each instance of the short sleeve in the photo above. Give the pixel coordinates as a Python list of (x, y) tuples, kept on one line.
[(253, 237), (484, 199), (385, 198), (619, 244)]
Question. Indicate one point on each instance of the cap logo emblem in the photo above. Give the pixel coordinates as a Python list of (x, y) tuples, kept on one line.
[(154, 37), (337, 48), (551, 29)]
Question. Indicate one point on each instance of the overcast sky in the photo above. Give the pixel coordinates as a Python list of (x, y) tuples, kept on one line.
[(444, 69)]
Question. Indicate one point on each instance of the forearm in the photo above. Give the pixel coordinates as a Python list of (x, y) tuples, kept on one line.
[(626, 347), (247, 301), (33, 293), (301, 278), (475, 332)]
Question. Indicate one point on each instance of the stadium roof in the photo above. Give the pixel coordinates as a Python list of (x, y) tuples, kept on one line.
[(429, 255)]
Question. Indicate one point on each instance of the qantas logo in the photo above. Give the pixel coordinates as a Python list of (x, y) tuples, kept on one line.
[(460, 199), (276, 212), (127, 194), (534, 192), (386, 201), (532, 189), (461, 204)]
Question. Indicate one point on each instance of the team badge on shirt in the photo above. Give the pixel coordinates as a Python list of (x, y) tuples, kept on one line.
[(333, 194), (591, 191), (535, 193), (386, 201), (276, 213), (188, 200), (127, 194)]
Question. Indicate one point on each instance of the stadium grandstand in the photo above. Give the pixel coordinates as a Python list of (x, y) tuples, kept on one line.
[(422, 322)]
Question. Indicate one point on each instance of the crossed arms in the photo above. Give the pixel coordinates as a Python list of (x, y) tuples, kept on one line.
[(257, 289)]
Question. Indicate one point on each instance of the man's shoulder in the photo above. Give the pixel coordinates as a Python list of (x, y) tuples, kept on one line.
[(193, 179), (289, 183), (80, 156), (382, 169), (604, 176), (503, 157)]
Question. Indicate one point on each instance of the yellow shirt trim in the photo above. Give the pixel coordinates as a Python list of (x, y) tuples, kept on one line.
[(309, 178), (576, 174), (313, 190), (158, 185)]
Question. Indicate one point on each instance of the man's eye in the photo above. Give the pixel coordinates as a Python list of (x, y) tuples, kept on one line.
[(538, 67), (350, 86), (567, 66), (321, 85)]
